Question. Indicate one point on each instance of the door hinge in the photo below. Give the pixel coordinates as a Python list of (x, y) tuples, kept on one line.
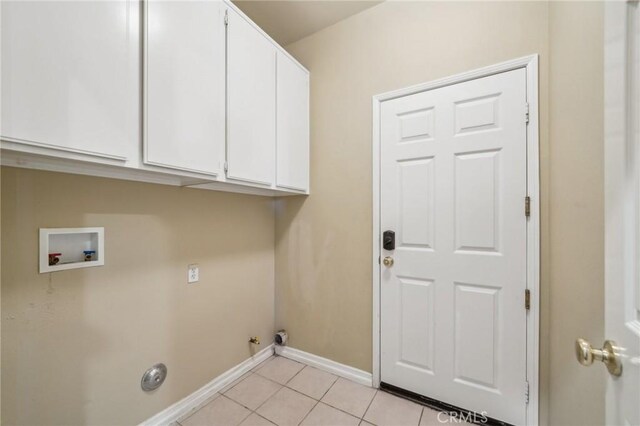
[(527, 206), (226, 167), (526, 113), (527, 299), (526, 392), (226, 17)]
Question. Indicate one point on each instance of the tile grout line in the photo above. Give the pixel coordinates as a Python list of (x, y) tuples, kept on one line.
[(421, 414), (262, 364), (286, 385), (317, 400), (336, 408), (323, 395), (263, 417), (307, 415), (245, 417), (258, 414), (265, 401), (238, 381), (299, 371), (341, 410), (369, 406), (308, 396), (283, 384), (281, 387), (204, 404), (293, 390), (249, 408), (329, 388)]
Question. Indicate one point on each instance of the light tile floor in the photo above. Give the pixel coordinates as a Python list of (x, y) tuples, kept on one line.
[(283, 392)]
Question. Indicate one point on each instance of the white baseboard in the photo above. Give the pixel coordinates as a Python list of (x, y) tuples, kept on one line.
[(199, 398), (342, 370)]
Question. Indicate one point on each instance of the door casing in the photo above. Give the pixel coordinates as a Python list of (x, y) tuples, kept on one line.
[(530, 64)]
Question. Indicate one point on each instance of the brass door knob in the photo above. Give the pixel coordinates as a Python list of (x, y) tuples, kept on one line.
[(388, 261), (586, 355)]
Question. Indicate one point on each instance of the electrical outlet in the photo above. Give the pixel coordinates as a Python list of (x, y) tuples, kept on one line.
[(193, 274)]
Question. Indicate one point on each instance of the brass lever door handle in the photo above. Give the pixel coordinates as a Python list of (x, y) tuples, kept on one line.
[(586, 354)]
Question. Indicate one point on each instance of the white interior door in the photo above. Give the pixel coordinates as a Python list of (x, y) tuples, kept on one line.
[(622, 208), (453, 188)]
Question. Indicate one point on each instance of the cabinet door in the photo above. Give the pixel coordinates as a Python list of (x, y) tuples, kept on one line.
[(292, 162), (70, 76), (184, 82), (251, 108)]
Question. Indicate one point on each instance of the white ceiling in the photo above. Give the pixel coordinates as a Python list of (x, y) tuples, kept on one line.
[(287, 21)]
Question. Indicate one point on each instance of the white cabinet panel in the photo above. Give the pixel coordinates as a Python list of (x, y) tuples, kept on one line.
[(70, 76), (292, 162), (251, 108), (153, 90), (184, 75)]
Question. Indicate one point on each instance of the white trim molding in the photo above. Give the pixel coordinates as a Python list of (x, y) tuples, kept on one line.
[(202, 396), (530, 64), (342, 370)]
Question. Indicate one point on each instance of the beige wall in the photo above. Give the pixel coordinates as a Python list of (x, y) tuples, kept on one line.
[(576, 208), (323, 243), (75, 343)]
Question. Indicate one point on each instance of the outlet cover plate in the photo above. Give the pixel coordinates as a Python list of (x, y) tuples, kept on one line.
[(193, 273)]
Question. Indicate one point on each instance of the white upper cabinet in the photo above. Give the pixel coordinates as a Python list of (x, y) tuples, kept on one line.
[(251, 103), (292, 162), (184, 74), (70, 78), (188, 93)]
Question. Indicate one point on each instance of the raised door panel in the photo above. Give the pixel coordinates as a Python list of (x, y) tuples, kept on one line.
[(185, 93), (292, 162), (416, 324), (416, 210), (477, 319), (477, 201), (70, 77), (251, 103)]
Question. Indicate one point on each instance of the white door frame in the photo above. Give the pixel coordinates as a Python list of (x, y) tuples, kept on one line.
[(530, 64)]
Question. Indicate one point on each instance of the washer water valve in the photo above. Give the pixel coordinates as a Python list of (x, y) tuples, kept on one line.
[(88, 255), (54, 258)]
